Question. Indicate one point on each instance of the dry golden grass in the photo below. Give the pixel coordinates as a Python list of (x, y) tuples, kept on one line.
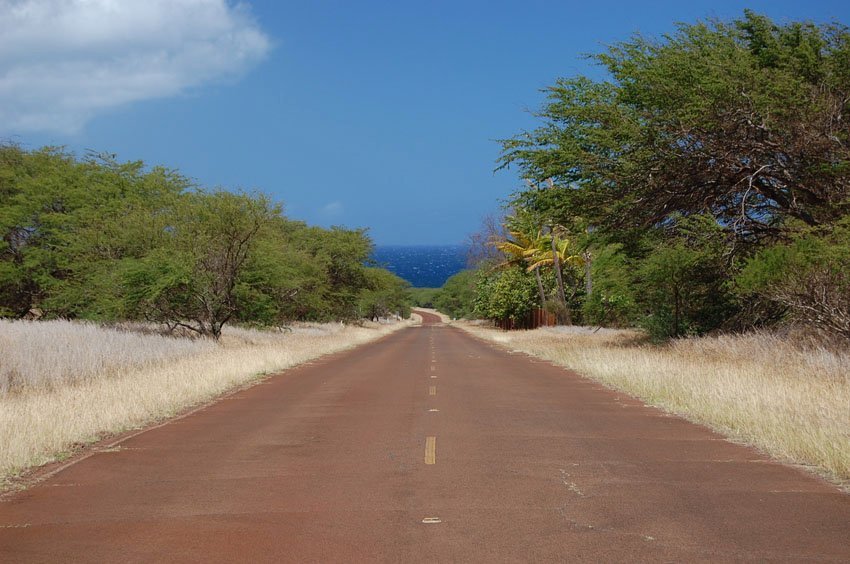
[(72, 390), (788, 399), (47, 354)]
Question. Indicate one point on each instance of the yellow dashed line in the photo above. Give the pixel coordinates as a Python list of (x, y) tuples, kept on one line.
[(431, 450), (432, 391)]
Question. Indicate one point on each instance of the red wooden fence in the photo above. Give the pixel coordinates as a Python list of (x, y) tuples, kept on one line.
[(535, 318)]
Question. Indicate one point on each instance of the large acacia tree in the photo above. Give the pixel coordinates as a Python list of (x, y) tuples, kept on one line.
[(746, 121), (191, 278), (740, 128)]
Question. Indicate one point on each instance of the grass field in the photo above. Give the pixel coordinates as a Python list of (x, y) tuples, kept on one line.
[(787, 397), (64, 384)]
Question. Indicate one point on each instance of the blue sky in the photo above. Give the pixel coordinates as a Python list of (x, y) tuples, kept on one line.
[(359, 113)]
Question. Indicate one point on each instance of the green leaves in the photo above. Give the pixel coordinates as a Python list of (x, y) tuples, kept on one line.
[(385, 294), (457, 296), (506, 294), (746, 121), (809, 276), (98, 239), (698, 150)]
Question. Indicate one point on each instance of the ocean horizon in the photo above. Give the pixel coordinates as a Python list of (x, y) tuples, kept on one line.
[(424, 266)]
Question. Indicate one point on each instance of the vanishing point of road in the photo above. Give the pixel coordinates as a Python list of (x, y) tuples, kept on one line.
[(426, 446)]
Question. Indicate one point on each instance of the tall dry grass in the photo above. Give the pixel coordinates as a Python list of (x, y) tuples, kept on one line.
[(788, 398), (69, 383), (46, 354)]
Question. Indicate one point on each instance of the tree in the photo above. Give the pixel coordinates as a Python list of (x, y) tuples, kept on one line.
[(191, 281), (528, 246), (666, 276), (746, 121), (559, 256), (99, 239), (505, 294), (457, 296), (341, 254), (280, 282), (424, 297), (612, 300), (480, 244), (809, 277), (521, 250), (684, 282), (65, 222), (385, 294)]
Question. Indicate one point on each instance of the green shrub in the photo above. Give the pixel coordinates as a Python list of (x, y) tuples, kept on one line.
[(810, 277), (506, 294), (457, 296)]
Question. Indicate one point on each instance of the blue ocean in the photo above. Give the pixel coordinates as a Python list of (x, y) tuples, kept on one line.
[(424, 266)]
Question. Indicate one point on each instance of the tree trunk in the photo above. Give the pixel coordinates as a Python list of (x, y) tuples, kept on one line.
[(588, 273), (540, 287), (556, 263)]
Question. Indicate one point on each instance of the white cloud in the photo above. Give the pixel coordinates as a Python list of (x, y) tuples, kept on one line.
[(63, 61), (332, 210)]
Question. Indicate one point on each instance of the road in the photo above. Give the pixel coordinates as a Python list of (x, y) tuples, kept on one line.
[(426, 446)]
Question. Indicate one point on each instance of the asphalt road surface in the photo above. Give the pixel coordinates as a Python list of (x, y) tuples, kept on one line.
[(426, 446)]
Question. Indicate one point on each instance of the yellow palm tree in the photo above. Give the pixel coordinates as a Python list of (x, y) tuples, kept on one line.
[(546, 254), (554, 250), (518, 251)]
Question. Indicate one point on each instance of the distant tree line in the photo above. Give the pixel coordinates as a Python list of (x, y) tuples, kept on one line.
[(94, 238), (703, 185)]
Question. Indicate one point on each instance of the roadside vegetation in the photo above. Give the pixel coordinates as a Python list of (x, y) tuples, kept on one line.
[(702, 186), (66, 384), (691, 210), (423, 297), (102, 240)]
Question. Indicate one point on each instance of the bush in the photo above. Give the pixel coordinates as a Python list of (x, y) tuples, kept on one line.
[(506, 294), (809, 277), (457, 296), (683, 291), (424, 297), (385, 295), (612, 301)]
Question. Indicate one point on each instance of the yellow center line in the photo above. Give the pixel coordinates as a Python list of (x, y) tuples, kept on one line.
[(431, 450), (432, 391)]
